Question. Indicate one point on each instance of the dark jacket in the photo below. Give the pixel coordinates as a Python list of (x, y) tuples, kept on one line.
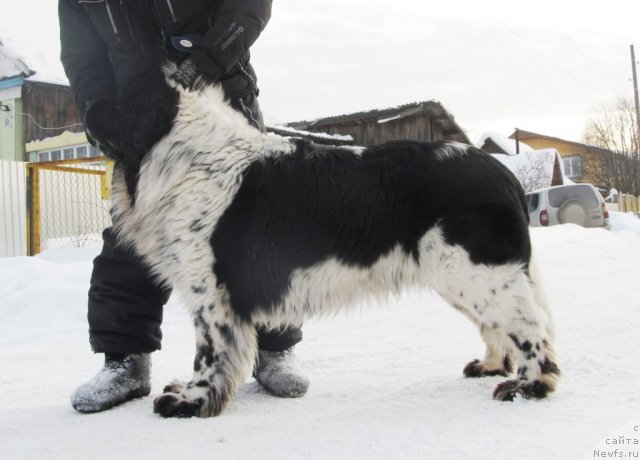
[(107, 43)]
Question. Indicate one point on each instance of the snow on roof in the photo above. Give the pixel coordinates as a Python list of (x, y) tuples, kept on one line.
[(514, 162), (533, 168), (11, 62), (506, 144), (289, 131), (41, 64)]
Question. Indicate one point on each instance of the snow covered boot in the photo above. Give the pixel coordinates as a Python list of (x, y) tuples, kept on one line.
[(278, 372), (123, 377)]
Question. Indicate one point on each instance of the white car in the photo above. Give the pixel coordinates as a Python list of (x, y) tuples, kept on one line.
[(579, 204)]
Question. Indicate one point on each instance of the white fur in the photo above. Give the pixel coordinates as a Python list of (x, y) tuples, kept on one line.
[(188, 181)]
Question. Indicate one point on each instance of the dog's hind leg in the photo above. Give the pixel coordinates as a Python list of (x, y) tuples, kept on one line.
[(226, 348), (502, 300)]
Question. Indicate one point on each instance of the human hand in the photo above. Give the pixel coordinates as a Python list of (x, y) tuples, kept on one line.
[(101, 126), (186, 73)]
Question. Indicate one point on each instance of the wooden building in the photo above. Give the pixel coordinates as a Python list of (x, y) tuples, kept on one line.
[(581, 162), (534, 168), (54, 108), (422, 121), (31, 109)]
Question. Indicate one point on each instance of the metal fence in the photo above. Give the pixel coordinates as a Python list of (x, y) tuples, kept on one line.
[(53, 204), (66, 203)]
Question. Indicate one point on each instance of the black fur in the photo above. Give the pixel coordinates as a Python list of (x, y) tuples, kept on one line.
[(285, 216), (127, 128)]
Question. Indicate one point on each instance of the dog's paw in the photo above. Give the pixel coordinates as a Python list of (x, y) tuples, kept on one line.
[(188, 400), (175, 405), (477, 368), (509, 390)]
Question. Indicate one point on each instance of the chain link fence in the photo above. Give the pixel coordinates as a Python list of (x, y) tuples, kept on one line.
[(67, 203)]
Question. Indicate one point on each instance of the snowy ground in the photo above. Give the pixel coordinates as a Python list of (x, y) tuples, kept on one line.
[(386, 382)]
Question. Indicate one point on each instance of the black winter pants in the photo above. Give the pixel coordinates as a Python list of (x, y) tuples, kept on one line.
[(126, 303), (125, 306)]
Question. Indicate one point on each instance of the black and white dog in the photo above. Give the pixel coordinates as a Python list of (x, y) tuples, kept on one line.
[(255, 229)]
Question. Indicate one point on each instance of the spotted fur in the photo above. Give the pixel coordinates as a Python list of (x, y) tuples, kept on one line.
[(255, 229)]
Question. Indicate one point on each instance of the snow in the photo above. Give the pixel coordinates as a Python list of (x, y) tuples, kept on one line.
[(386, 381), (11, 63), (506, 144), (33, 38), (624, 221), (289, 131), (534, 168)]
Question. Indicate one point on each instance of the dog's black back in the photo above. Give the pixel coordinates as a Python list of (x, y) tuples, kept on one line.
[(294, 211)]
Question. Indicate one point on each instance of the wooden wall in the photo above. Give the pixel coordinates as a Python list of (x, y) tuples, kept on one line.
[(372, 132), (51, 107), (420, 127)]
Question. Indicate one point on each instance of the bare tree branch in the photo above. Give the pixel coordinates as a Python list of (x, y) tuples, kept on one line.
[(615, 160)]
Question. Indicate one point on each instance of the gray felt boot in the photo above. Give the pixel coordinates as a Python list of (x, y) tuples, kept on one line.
[(278, 372), (121, 379)]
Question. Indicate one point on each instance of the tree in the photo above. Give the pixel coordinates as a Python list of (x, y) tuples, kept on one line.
[(535, 173), (615, 159)]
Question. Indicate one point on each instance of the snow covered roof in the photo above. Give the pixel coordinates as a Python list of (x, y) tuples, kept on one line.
[(12, 64), (535, 169), (433, 108), (320, 138), (503, 143)]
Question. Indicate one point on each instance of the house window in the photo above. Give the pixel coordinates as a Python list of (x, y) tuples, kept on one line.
[(81, 152), (572, 166), (69, 153)]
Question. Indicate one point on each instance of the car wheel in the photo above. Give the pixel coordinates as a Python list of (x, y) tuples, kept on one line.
[(573, 212)]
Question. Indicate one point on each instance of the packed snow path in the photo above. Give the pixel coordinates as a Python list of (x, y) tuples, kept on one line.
[(386, 381)]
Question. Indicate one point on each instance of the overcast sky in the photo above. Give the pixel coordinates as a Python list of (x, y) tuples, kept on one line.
[(495, 65)]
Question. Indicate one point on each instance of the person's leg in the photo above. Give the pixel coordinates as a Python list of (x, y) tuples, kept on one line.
[(125, 314), (277, 369), (125, 302)]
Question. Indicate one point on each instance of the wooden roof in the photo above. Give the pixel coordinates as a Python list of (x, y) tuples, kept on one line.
[(432, 108), (524, 135), (318, 138)]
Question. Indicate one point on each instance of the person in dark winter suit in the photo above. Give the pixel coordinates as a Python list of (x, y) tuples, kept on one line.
[(113, 53)]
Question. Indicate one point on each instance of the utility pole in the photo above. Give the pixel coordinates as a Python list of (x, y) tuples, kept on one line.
[(635, 92)]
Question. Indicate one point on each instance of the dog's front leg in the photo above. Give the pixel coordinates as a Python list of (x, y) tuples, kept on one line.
[(225, 351)]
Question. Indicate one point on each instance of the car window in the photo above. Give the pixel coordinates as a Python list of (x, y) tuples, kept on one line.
[(533, 199), (584, 193)]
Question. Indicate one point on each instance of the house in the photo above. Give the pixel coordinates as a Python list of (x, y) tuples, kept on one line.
[(13, 71), (34, 110), (582, 162), (31, 110), (422, 121), (534, 168)]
